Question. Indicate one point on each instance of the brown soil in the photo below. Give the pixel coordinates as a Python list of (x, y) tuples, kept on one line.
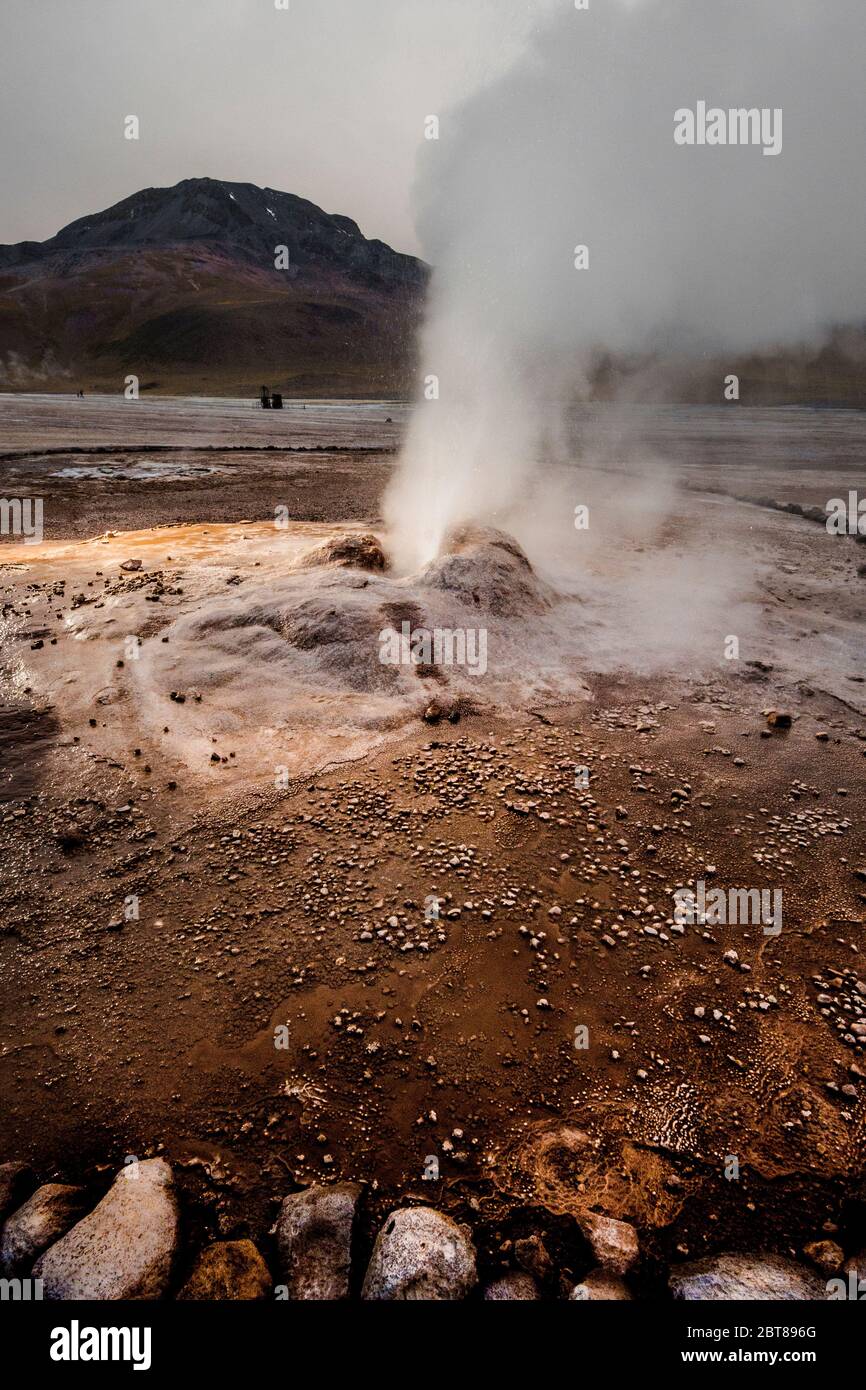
[(263, 911)]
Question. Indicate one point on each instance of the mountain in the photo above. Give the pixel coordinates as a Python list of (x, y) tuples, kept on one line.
[(178, 286)]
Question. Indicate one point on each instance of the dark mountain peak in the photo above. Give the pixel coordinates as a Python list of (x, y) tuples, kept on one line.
[(189, 288), (238, 220)]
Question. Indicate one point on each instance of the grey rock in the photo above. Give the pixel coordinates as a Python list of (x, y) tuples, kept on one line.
[(43, 1219), (513, 1286), (314, 1239), (228, 1269), (739, 1277), (421, 1254), (16, 1180), (125, 1247), (614, 1243), (601, 1286)]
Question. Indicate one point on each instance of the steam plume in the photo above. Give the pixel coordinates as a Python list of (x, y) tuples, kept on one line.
[(692, 249)]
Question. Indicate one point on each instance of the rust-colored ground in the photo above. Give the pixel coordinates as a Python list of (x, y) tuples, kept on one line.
[(299, 915)]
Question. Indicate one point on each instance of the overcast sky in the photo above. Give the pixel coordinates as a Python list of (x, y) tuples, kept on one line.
[(326, 100)]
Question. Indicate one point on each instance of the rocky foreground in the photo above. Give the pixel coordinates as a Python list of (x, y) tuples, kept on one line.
[(133, 1244)]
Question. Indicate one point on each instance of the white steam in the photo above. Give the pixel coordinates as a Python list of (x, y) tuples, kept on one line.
[(692, 249)]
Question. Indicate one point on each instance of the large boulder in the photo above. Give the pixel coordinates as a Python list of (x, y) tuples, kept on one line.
[(16, 1180), (228, 1269), (314, 1239), (43, 1219), (600, 1286), (739, 1277), (421, 1254), (125, 1247), (613, 1243)]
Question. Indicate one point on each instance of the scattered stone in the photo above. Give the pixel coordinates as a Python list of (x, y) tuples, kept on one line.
[(131, 565), (228, 1269), (421, 1254), (733, 1277), (601, 1286), (531, 1254), (826, 1255), (514, 1286), (16, 1179), (779, 719), (314, 1238), (42, 1220), (125, 1247), (614, 1243)]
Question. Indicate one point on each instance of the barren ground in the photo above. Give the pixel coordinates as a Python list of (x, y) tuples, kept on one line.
[(262, 907)]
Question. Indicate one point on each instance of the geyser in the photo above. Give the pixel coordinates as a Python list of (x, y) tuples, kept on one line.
[(306, 658), (683, 249)]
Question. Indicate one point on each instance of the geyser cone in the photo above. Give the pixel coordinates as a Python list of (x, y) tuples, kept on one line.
[(486, 569), (274, 657)]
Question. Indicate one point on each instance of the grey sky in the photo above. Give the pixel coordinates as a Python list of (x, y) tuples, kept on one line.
[(327, 100)]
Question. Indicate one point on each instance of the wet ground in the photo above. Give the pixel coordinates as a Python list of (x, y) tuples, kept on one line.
[(392, 959)]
